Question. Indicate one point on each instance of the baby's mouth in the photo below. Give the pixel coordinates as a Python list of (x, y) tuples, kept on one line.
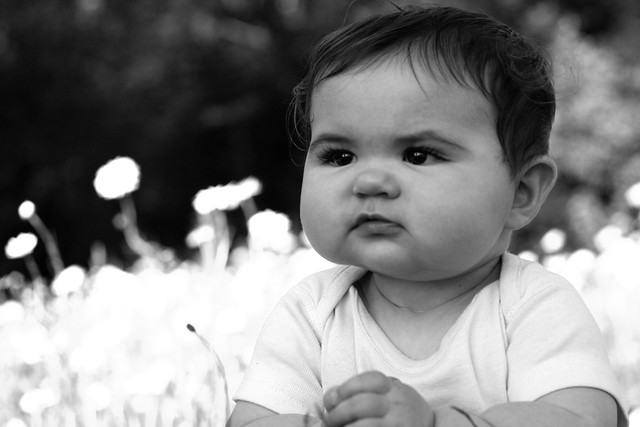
[(374, 223)]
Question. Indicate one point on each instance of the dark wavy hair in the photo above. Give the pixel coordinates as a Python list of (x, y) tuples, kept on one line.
[(469, 48)]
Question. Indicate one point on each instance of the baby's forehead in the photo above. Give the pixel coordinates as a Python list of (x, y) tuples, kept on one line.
[(396, 96), (433, 78), (445, 71)]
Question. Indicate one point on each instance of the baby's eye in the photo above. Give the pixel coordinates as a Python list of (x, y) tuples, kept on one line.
[(420, 155), (336, 157)]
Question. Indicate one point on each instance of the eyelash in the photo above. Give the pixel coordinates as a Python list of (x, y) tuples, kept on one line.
[(429, 151), (330, 155)]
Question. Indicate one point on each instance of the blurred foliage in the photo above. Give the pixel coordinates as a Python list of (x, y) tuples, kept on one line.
[(197, 91), (105, 346), (596, 138)]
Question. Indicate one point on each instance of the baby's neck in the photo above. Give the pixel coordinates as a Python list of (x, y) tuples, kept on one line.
[(422, 297), (416, 316)]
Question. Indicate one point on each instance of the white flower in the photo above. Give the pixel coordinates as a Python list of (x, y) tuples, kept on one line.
[(98, 396), (86, 360), (11, 312), (553, 240), (607, 237), (249, 187), (270, 230), (218, 198), (69, 280), (26, 210), (37, 400), (556, 263), (33, 344), (633, 195), (226, 197), (199, 236), (15, 422), (117, 178), (579, 266), (21, 245)]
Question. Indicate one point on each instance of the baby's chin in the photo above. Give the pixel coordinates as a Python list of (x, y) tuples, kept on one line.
[(393, 264), (396, 270)]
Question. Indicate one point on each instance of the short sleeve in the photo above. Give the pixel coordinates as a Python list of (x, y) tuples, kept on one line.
[(284, 373), (555, 343)]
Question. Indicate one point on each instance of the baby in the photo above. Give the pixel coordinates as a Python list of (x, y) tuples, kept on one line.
[(427, 133)]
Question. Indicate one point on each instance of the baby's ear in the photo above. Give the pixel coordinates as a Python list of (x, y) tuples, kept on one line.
[(533, 185)]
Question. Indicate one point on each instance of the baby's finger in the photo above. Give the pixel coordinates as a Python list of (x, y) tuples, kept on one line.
[(359, 407), (367, 382)]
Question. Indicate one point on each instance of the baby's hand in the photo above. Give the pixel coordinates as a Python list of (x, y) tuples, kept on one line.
[(373, 399)]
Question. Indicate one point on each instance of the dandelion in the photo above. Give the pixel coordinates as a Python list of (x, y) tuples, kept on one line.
[(32, 345), (226, 197), (15, 422), (579, 266), (553, 240), (69, 280), (11, 312), (218, 198), (270, 230), (98, 396), (27, 211), (117, 178), (556, 263), (200, 236), (632, 195), (249, 187), (86, 360), (608, 237), (37, 400), (21, 245)]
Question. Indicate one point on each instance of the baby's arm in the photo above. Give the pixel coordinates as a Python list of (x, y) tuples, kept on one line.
[(373, 397), (252, 415), (570, 407)]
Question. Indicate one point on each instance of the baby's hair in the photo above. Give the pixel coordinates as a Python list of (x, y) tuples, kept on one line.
[(468, 48)]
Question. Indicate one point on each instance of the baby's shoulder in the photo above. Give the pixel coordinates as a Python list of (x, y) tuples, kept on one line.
[(522, 281), (322, 291)]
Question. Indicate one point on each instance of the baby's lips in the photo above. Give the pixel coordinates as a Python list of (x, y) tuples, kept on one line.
[(366, 217)]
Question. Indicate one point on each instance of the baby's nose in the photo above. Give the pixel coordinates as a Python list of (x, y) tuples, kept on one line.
[(376, 183)]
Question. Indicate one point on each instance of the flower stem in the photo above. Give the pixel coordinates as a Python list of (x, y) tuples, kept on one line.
[(249, 208), (218, 365), (223, 244), (50, 244), (130, 228), (33, 269)]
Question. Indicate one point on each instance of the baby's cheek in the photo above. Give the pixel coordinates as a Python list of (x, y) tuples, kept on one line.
[(314, 220)]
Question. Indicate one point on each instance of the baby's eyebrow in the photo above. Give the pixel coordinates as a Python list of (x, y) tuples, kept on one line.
[(329, 137), (430, 135), (407, 139)]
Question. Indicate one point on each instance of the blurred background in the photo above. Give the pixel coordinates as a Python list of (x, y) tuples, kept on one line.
[(195, 93)]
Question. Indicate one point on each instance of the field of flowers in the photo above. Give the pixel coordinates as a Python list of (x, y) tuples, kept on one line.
[(164, 342)]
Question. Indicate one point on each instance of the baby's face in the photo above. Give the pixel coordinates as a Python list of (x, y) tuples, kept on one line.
[(404, 177)]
